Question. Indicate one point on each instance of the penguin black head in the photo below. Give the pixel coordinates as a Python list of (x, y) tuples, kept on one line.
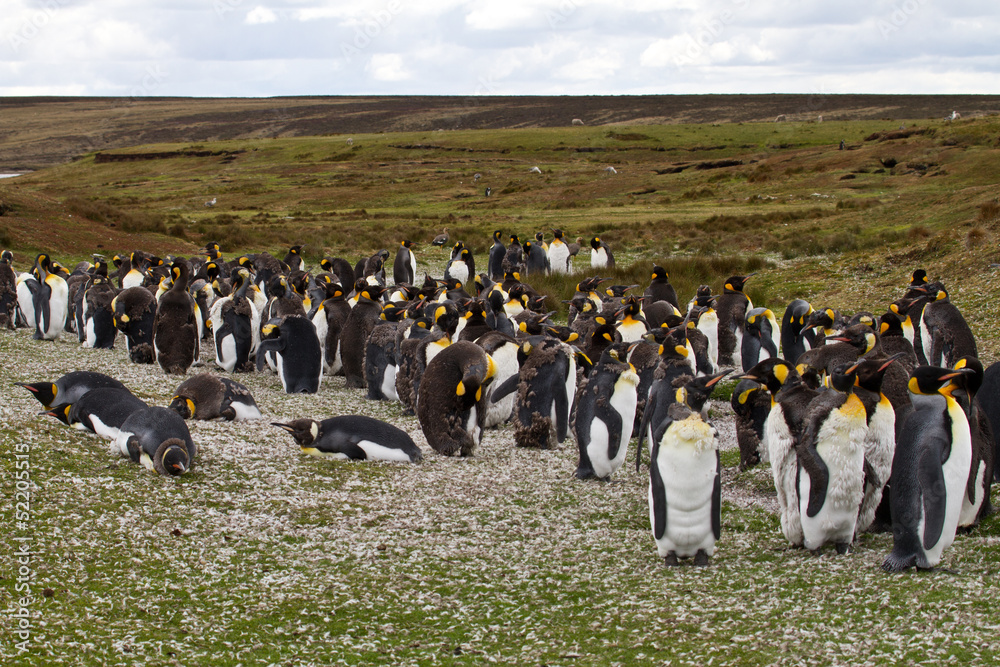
[(918, 278), (7, 257), (843, 377), (61, 413), (497, 236), (773, 373), (890, 325), (514, 240), (171, 457), (660, 274), (870, 371), (305, 431), (588, 285), (972, 374), (595, 242), (183, 406), (860, 336), (696, 392), (557, 233), (45, 392), (737, 283), (930, 380)]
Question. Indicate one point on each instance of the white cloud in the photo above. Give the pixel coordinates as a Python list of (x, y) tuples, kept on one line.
[(387, 67), (259, 15)]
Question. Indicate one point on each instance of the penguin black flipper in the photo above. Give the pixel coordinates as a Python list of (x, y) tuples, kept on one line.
[(717, 497), (561, 403), (651, 406), (220, 335), (347, 444), (930, 476), (819, 479), (270, 345), (505, 388), (658, 493), (584, 417)]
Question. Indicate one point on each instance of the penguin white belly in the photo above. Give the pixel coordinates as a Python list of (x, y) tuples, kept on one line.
[(956, 473), (24, 300), (708, 324), (322, 329), (784, 468), (597, 449), (413, 264), (228, 357), (91, 335), (389, 383), (505, 358), (880, 442), (146, 462), (280, 364), (970, 509), (632, 330), (337, 364), (840, 444), (687, 465), (598, 258), (376, 452), (558, 256), (926, 343), (472, 426), (245, 411), (460, 272), (102, 429), (58, 307), (132, 279), (119, 445), (737, 360)]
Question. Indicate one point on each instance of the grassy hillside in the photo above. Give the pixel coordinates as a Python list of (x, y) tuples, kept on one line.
[(841, 227)]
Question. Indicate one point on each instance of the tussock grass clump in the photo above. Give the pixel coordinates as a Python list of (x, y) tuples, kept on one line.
[(976, 237), (989, 211), (918, 232), (858, 204)]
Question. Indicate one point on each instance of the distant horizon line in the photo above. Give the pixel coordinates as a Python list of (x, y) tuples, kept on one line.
[(457, 96)]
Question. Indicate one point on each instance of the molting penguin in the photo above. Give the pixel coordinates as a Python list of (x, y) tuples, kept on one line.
[(354, 437), (157, 438), (513, 260), (69, 388), (134, 314), (831, 455), (943, 330), (299, 357), (404, 267), (380, 361), (175, 328), (98, 328), (103, 410), (209, 396), (363, 318), (50, 302), (685, 491), (536, 259), (930, 472), (330, 319), (752, 404), (605, 412), (8, 291), (451, 403), (600, 254), (732, 307), (546, 386)]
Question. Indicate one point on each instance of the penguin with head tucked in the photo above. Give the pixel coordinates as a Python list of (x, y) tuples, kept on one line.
[(353, 437), (175, 328), (296, 347), (235, 325), (451, 402), (380, 357), (831, 455), (159, 439), (293, 260), (790, 400), (732, 307), (685, 491), (558, 253), (605, 412), (930, 471), (51, 300), (103, 410), (497, 253), (134, 315), (404, 267), (601, 256), (660, 288), (209, 396), (546, 386), (795, 337), (330, 318), (98, 328), (68, 389), (760, 337), (536, 259)]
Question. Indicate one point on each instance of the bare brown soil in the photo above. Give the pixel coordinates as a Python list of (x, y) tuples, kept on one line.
[(39, 132)]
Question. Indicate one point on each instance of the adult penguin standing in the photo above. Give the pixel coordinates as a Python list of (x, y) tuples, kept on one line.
[(605, 411), (363, 318), (497, 253), (50, 300), (451, 402), (601, 256), (404, 267), (558, 253), (175, 328)]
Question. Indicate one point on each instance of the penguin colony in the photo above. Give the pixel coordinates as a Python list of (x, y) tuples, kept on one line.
[(868, 422)]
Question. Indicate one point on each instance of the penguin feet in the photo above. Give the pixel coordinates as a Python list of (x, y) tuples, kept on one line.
[(843, 548), (671, 560), (584, 473), (701, 558)]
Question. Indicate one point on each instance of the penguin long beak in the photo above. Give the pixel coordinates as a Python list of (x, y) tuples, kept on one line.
[(283, 426), (888, 362), (717, 378)]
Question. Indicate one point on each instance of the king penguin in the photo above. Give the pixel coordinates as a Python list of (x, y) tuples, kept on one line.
[(558, 253), (51, 300), (601, 256), (159, 439), (497, 254), (104, 410), (930, 472), (134, 314), (404, 267), (98, 316), (760, 337), (795, 337), (451, 405), (685, 489), (732, 307), (209, 396), (299, 358), (175, 328), (605, 412), (353, 437)]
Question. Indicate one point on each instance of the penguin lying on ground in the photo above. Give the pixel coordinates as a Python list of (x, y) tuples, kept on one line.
[(353, 437), (102, 411), (157, 438), (69, 388), (209, 396)]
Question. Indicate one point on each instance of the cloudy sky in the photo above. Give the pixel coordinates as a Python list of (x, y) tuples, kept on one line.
[(514, 47)]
